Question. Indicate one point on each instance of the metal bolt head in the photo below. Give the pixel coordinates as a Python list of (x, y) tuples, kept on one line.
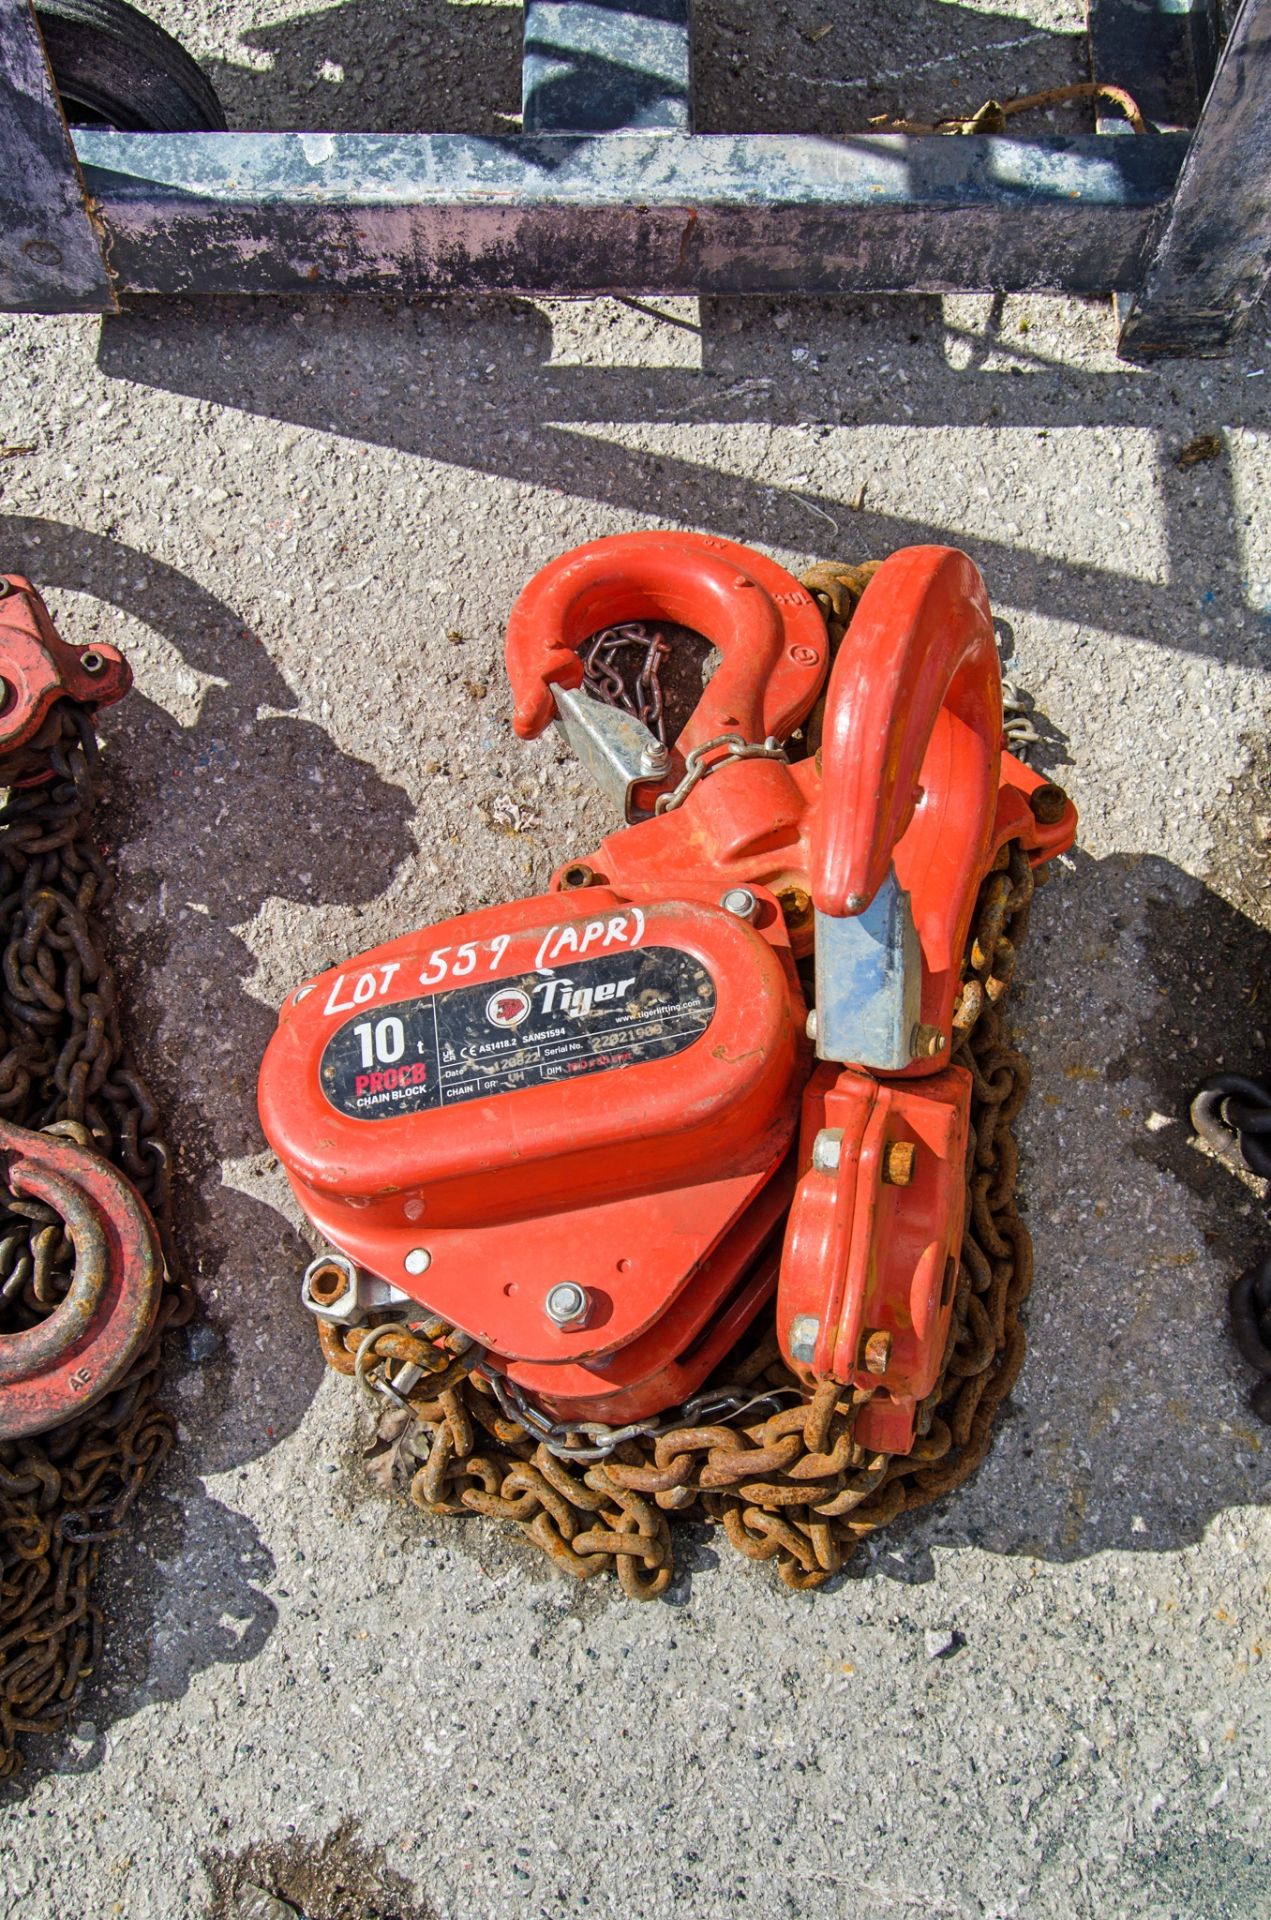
[(418, 1260), (655, 759), (567, 1304), (741, 901), (1049, 804), (810, 1025), (827, 1150), (91, 661), (927, 1042), (898, 1162), (577, 874), (804, 1329), (877, 1352)]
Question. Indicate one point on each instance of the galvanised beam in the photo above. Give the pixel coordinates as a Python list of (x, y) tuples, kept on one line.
[(624, 213), (50, 260), (1213, 257), (601, 66)]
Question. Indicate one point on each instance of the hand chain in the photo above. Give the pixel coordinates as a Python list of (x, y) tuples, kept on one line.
[(65, 1068), (791, 1484)]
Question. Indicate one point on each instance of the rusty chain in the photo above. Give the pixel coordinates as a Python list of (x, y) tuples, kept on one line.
[(793, 1486), (65, 1068)]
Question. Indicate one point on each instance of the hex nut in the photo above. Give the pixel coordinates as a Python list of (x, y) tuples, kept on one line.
[(827, 1150), (804, 1330), (329, 1282)]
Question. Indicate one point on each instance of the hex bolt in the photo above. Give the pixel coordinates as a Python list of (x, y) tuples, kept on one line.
[(898, 1162), (804, 1329), (927, 1042), (827, 1150), (577, 874), (91, 661), (418, 1260), (741, 901), (567, 1305), (1049, 804), (655, 759), (877, 1351)]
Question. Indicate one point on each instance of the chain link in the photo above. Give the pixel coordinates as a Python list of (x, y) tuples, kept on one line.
[(605, 680), (65, 1069)]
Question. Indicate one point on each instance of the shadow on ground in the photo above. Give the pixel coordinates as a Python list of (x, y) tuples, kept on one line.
[(431, 66), (488, 396), (251, 1347)]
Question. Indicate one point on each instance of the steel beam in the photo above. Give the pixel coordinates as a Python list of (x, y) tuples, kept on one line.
[(1212, 258), (625, 213), (601, 66), (50, 260)]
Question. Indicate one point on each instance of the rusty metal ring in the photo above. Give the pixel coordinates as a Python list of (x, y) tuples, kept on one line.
[(53, 1371)]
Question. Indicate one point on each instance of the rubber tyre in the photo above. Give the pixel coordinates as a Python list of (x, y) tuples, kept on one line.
[(115, 68)]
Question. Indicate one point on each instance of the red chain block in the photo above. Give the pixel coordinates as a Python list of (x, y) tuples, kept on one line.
[(600, 1086)]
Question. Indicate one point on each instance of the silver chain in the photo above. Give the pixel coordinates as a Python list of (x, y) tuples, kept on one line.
[(730, 746)]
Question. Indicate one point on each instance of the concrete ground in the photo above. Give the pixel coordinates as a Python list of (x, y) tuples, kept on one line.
[(306, 522)]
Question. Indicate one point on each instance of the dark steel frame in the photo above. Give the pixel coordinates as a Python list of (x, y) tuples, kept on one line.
[(608, 190)]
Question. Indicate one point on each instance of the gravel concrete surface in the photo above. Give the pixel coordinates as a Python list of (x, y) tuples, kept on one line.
[(305, 523)]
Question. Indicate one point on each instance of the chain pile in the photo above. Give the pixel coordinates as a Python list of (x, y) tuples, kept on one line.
[(65, 1069), (793, 1486)]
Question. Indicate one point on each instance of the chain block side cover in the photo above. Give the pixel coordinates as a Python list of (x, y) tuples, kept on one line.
[(578, 1086), (870, 1265)]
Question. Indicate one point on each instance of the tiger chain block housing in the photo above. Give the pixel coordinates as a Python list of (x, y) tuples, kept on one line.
[(599, 1129)]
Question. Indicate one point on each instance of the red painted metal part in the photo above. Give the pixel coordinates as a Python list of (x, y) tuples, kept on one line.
[(771, 638), (38, 668), (634, 1191), (55, 1369), (865, 1257), (912, 739), (658, 1183)]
